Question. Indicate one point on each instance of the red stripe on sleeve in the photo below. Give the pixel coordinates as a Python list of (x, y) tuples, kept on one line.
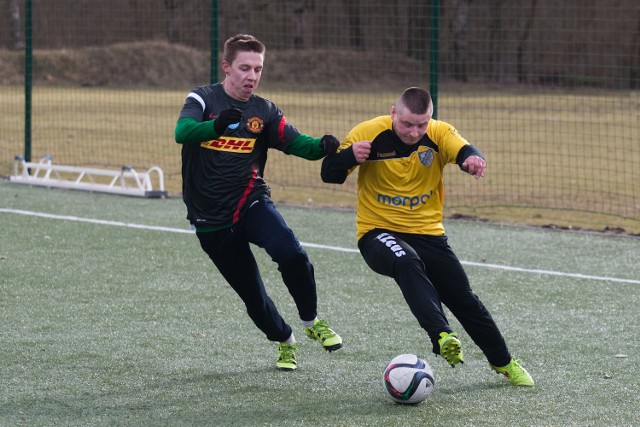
[(283, 122)]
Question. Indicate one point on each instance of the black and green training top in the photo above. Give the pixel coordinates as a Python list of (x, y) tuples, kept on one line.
[(223, 174)]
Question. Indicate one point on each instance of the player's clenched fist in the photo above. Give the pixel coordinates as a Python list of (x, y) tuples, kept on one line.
[(475, 165), (226, 118), (361, 150), (329, 144)]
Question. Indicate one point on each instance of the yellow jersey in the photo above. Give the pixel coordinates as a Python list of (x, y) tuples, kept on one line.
[(400, 186)]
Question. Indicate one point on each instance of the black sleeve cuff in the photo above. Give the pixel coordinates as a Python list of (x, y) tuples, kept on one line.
[(335, 168), (466, 152)]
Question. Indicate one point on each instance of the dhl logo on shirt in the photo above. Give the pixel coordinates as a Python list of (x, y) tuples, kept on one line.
[(235, 145)]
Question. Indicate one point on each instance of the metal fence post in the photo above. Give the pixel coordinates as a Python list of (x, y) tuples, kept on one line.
[(213, 43), (28, 61), (434, 55)]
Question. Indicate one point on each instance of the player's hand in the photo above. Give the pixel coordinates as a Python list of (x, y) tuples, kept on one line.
[(226, 118), (361, 150), (475, 166), (329, 144)]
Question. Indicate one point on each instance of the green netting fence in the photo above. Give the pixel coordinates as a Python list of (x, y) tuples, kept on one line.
[(548, 90)]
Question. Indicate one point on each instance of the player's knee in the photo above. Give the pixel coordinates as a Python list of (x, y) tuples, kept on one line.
[(293, 261), (407, 261)]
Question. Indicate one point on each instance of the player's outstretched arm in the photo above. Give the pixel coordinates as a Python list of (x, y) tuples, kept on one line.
[(310, 148)]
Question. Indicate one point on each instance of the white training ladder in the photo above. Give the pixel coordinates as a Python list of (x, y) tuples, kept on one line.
[(125, 181)]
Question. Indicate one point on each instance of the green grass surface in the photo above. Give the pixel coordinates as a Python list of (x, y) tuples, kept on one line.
[(104, 324)]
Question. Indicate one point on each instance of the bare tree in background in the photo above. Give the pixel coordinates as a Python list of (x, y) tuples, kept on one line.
[(301, 11), (417, 30), (172, 25), (236, 20), (460, 31), (16, 34), (634, 69), (496, 40), (522, 75), (355, 25), (242, 21), (394, 39)]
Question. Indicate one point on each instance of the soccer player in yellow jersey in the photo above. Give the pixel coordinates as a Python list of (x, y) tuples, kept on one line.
[(399, 222)]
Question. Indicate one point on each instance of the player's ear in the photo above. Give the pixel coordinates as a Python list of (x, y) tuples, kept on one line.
[(226, 67)]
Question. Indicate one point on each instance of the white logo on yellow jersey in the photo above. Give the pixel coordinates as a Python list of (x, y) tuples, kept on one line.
[(426, 157)]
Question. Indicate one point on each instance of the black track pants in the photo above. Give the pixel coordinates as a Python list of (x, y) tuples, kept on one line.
[(230, 251), (429, 274)]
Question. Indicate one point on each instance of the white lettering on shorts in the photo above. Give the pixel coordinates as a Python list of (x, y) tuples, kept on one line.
[(389, 242)]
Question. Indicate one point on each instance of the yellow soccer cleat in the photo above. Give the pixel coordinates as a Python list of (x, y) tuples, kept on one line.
[(450, 348), (321, 332), (516, 374), (287, 356)]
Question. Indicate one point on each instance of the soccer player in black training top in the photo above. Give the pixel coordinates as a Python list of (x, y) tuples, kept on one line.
[(225, 131)]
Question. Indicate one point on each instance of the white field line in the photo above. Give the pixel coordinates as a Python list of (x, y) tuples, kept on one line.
[(312, 245)]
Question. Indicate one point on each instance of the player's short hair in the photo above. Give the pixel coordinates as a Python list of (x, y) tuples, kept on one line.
[(416, 100), (241, 43)]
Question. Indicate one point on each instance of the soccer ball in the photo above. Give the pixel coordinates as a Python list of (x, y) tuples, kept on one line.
[(408, 379)]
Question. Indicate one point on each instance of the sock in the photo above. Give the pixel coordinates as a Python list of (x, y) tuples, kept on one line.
[(290, 340), (309, 323)]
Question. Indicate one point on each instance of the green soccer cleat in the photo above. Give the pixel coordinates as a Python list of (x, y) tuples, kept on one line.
[(287, 356), (321, 332), (450, 348), (516, 374)]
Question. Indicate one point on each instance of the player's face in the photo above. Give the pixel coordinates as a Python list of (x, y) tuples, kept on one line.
[(410, 127), (243, 74)]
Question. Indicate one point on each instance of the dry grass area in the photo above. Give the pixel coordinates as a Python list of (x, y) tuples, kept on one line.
[(144, 64), (102, 107), (167, 65)]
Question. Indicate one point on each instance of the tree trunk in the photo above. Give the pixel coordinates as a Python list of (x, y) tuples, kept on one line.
[(301, 10), (634, 69), (418, 27), (355, 25), (460, 30), (522, 75), (16, 34), (172, 26), (496, 39)]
